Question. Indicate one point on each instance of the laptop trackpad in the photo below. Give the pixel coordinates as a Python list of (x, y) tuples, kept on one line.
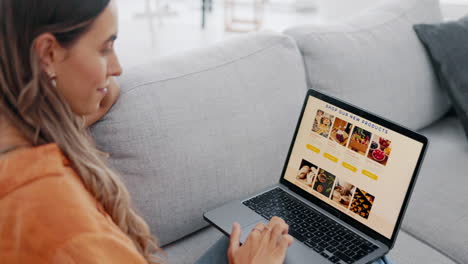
[(297, 253), (247, 229), (223, 217)]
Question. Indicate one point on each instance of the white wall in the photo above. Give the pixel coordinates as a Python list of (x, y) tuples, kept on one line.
[(336, 9), (454, 9), (339, 9)]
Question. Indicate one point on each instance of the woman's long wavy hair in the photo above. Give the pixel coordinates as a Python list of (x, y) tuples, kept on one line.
[(30, 103)]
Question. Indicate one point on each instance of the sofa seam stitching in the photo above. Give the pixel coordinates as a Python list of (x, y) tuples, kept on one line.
[(204, 70)]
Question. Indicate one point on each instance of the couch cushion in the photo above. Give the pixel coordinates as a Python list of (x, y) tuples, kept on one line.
[(407, 250), (375, 60), (192, 247), (446, 45), (194, 131), (437, 212), (410, 250)]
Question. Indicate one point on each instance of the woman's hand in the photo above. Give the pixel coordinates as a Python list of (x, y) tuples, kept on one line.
[(266, 244), (107, 102)]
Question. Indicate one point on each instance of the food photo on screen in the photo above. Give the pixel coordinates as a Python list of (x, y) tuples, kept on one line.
[(380, 149), (360, 140), (306, 173), (362, 203), (343, 192), (324, 182), (322, 123), (340, 132)]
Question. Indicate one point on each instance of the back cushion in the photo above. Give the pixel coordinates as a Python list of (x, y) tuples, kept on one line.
[(375, 61), (194, 131)]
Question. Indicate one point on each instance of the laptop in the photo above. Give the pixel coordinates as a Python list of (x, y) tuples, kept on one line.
[(344, 189)]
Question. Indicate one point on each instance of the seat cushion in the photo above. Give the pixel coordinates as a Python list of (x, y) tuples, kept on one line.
[(437, 211), (407, 250), (193, 131), (189, 249), (410, 250), (375, 60)]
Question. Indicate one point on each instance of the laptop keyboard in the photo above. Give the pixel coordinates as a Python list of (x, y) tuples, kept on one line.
[(328, 238)]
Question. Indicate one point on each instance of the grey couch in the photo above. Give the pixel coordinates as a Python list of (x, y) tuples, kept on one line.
[(193, 131)]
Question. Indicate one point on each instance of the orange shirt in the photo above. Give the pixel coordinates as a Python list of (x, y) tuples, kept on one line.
[(47, 215)]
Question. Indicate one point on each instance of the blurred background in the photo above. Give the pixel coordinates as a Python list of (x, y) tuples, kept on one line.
[(150, 29)]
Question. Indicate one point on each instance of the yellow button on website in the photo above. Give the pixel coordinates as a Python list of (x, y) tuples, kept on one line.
[(370, 174), (349, 167), (314, 149), (330, 157)]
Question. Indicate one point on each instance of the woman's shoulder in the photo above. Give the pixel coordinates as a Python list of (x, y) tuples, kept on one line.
[(40, 183), (28, 165), (43, 202)]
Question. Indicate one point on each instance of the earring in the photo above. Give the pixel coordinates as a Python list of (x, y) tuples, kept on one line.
[(52, 78)]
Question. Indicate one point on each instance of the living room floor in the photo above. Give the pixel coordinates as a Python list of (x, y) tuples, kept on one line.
[(147, 31)]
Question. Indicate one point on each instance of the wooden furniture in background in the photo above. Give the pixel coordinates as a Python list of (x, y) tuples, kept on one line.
[(234, 23)]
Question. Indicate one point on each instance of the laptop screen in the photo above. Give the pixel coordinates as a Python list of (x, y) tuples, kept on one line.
[(357, 166)]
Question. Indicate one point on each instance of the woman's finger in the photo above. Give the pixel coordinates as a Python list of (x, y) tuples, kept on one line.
[(260, 227), (234, 239), (256, 233), (284, 244), (278, 230), (275, 220), (278, 220)]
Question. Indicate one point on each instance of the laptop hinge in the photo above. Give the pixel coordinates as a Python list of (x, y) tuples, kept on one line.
[(330, 209)]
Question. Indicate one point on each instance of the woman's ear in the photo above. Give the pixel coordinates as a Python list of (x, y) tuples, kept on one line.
[(49, 52)]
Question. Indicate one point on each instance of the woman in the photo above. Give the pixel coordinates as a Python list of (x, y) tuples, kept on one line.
[(59, 200)]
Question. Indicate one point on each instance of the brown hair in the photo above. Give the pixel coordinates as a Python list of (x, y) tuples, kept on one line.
[(30, 103)]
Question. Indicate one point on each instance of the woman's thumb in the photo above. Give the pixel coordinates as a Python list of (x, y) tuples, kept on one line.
[(235, 237)]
